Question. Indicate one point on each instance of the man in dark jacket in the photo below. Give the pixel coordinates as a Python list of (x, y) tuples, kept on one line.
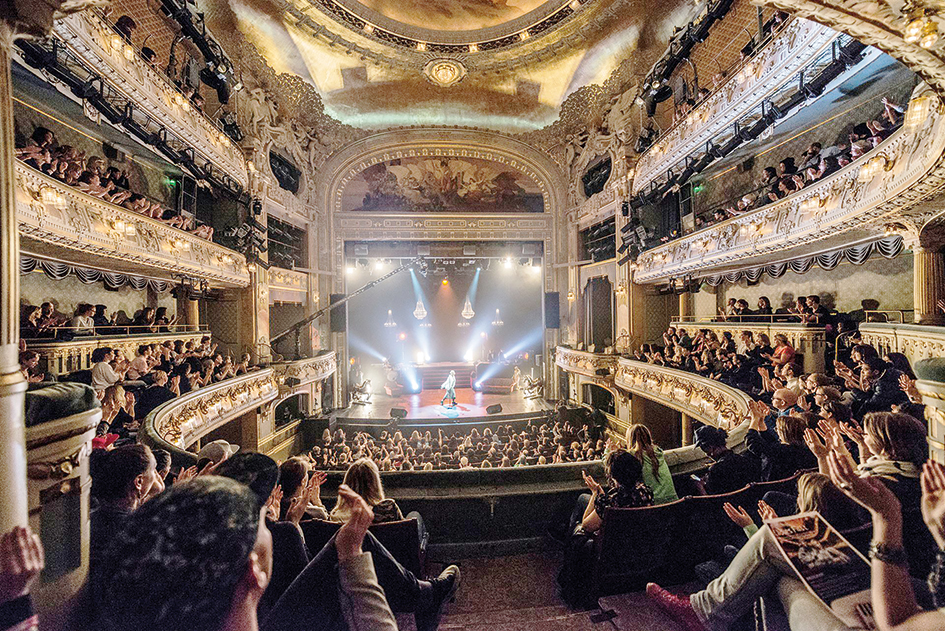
[(730, 471)]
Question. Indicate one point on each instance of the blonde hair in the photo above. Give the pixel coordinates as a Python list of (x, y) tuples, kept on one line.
[(364, 478), (640, 442), (812, 490), (114, 392), (898, 436)]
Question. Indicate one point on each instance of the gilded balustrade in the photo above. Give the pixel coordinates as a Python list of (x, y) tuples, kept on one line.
[(94, 40), (295, 375), (854, 205), (287, 285), (59, 220), (59, 356), (915, 341), (182, 421), (584, 363)]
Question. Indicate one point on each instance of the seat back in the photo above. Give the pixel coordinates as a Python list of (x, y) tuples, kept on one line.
[(401, 538), (636, 545), (705, 528)]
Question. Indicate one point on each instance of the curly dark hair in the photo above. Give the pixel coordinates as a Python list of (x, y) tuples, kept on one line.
[(178, 560)]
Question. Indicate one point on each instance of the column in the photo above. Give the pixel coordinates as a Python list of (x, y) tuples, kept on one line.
[(685, 306), (928, 284), (13, 498), (188, 313), (686, 430)]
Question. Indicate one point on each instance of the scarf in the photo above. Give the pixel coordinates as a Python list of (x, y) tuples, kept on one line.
[(880, 466)]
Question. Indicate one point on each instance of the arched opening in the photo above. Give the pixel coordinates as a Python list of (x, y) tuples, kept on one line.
[(599, 398)]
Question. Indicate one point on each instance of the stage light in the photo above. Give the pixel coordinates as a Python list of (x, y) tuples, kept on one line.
[(420, 357), (446, 282), (402, 337), (483, 335), (468, 356), (350, 270), (379, 264), (507, 262), (536, 269)]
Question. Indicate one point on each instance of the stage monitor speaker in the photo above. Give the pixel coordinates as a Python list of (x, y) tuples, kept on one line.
[(494, 409), (398, 413), (338, 319), (552, 316)]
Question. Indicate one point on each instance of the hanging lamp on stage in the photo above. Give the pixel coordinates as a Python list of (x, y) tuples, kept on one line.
[(498, 319), (420, 312), (390, 320), (468, 312)]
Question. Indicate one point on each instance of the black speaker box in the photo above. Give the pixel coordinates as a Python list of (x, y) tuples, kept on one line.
[(494, 409), (338, 319), (552, 316), (398, 413)]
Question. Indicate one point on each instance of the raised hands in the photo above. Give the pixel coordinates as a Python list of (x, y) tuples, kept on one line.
[(758, 410), (349, 538), (591, 483), (21, 561), (868, 492), (933, 500), (765, 511), (738, 515)]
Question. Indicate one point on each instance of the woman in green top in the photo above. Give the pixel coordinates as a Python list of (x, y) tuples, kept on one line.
[(656, 473)]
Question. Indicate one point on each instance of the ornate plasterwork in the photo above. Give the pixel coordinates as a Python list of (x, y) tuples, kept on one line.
[(798, 44), (287, 285), (307, 371), (62, 357), (912, 169), (811, 341), (703, 399), (584, 363), (913, 340), (184, 420), (81, 223), (89, 36)]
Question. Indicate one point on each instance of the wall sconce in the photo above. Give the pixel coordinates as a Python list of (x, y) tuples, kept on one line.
[(115, 41), (920, 108), (128, 52), (873, 167), (621, 288), (571, 296)]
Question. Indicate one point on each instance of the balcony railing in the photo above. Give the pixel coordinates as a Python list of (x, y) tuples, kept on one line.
[(96, 42), (810, 341), (292, 376), (60, 357), (915, 341), (59, 220), (798, 44), (705, 400), (182, 421), (286, 285), (584, 363), (851, 206)]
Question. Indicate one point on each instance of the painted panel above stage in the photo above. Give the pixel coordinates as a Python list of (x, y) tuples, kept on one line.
[(451, 181)]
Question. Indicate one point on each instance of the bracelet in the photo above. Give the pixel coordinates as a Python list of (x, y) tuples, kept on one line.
[(886, 554)]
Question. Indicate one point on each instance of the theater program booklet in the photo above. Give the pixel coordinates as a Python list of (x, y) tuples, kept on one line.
[(831, 569)]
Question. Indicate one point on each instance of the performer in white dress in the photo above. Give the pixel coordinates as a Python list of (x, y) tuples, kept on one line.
[(450, 386)]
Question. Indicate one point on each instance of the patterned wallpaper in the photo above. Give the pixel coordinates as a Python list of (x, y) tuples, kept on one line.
[(887, 280), (37, 288)]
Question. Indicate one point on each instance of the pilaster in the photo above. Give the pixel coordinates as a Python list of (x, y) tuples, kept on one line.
[(928, 284)]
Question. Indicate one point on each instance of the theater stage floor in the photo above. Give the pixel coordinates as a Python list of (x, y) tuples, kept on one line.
[(426, 406)]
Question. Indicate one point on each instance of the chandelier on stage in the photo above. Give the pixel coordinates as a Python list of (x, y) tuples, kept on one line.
[(468, 312), (420, 312), (498, 319), (390, 320)]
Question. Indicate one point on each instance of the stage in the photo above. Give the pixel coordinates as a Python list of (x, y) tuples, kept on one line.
[(425, 409)]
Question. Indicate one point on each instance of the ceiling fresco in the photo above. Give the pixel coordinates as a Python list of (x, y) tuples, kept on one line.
[(373, 84)]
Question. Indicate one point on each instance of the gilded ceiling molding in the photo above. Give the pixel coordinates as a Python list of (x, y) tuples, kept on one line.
[(855, 204)]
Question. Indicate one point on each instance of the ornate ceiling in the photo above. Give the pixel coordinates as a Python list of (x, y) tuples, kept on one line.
[(506, 65)]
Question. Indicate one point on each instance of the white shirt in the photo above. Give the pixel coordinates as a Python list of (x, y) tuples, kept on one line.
[(139, 366), (103, 375), (83, 325)]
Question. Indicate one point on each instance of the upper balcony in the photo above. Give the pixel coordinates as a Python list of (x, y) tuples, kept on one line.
[(585, 363), (294, 376), (61, 222), (159, 112), (799, 45), (853, 206), (915, 341), (286, 285)]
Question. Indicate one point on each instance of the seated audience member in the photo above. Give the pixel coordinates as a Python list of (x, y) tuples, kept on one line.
[(163, 321), (103, 324), (879, 388), (141, 364), (729, 471), (103, 374), (118, 412), (759, 566), (764, 308), (785, 455), (162, 390), (29, 360), (144, 322), (30, 323), (121, 481), (82, 322), (364, 478), (300, 488), (783, 352), (656, 473), (49, 317)]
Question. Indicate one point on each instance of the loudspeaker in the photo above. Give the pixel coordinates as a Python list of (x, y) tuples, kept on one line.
[(291, 382), (398, 413), (338, 320), (494, 409), (552, 317)]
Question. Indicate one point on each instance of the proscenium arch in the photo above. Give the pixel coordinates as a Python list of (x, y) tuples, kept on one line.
[(549, 176)]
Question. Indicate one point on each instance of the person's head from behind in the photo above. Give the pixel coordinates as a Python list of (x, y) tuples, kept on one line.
[(293, 475), (124, 476), (101, 354), (623, 468), (364, 478), (711, 440), (790, 429), (896, 437), (189, 560), (640, 443), (815, 492)]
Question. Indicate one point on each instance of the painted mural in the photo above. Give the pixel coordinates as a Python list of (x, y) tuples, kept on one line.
[(452, 15), (443, 184)]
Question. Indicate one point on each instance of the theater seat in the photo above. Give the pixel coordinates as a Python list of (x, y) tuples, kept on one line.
[(401, 538)]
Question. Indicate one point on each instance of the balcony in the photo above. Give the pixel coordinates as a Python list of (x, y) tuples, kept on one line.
[(851, 207), (61, 222), (60, 357), (915, 341), (90, 37), (294, 376), (703, 399), (584, 363), (799, 44), (181, 422), (809, 341), (286, 285)]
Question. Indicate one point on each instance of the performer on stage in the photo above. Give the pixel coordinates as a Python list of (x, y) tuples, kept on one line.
[(516, 380), (450, 386)]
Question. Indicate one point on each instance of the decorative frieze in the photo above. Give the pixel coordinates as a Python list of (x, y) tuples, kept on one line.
[(182, 421), (915, 341), (851, 206), (584, 363), (287, 285), (93, 39), (61, 357), (703, 399), (58, 219), (796, 46), (295, 375)]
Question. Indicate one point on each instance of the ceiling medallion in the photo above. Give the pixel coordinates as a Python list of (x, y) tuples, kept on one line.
[(444, 72)]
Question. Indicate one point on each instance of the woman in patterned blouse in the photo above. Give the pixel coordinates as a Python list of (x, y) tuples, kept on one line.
[(626, 488)]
